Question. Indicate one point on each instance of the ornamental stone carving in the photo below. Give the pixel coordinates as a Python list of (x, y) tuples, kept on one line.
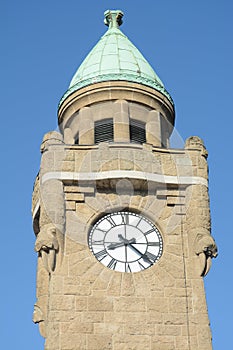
[(38, 317), (195, 142), (49, 228), (51, 138), (205, 249), (47, 246)]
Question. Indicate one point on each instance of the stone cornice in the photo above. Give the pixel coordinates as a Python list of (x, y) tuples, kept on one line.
[(114, 90)]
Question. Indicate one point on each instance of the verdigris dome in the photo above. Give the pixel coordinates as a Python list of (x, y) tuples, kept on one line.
[(113, 58)]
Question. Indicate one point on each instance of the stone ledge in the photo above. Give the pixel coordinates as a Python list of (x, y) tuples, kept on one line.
[(115, 174)]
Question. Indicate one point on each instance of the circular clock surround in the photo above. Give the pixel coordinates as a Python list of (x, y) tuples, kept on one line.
[(126, 242)]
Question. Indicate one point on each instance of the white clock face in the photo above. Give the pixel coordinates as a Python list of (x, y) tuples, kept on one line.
[(126, 242)]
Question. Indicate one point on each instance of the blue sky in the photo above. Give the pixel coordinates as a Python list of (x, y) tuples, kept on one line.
[(189, 44)]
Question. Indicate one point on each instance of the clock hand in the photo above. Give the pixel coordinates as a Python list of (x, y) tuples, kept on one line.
[(122, 238), (127, 241), (130, 241), (144, 257), (135, 249), (115, 245), (121, 244)]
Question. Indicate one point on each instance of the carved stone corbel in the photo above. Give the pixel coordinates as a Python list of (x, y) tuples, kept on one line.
[(205, 249), (47, 246), (38, 317)]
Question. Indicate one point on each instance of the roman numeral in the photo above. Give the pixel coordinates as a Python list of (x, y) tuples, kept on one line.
[(101, 254), (111, 221), (99, 229), (148, 232), (127, 268), (138, 222), (150, 256), (154, 244), (124, 218), (100, 242), (112, 264)]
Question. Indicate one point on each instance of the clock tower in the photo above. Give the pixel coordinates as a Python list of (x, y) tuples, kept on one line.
[(122, 221)]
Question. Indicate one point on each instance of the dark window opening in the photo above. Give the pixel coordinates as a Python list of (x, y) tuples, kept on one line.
[(36, 222), (104, 131), (76, 142), (137, 131)]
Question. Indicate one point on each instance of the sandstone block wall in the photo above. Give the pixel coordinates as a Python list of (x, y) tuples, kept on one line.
[(86, 305)]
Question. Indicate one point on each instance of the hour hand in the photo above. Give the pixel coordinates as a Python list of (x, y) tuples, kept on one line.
[(127, 241), (121, 244), (115, 245)]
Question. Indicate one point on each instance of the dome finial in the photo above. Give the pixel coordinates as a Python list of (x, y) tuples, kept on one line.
[(113, 18)]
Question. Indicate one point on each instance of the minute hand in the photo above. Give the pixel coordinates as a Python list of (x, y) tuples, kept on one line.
[(142, 255)]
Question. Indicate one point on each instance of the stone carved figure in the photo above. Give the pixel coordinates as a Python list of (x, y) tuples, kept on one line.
[(195, 142), (48, 225), (206, 249), (51, 138), (47, 246)]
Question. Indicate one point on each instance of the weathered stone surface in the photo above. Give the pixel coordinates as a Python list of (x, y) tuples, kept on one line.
[(109, 328), (131, 342), (93, 316), (97, 341), (163, 342), (77, 197), (73, 341), (129, 304), (100, 304), (178, 304), (64, 302), (76, 326), (84, 305), (81, 303)]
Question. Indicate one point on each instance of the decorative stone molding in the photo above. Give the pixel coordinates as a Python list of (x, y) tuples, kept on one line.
[(114, 174)]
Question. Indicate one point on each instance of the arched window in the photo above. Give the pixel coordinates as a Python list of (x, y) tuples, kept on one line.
[(137, 131), (104, 130)]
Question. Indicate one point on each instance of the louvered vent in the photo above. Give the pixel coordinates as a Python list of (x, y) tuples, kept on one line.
[(104, 131), (137, 131)]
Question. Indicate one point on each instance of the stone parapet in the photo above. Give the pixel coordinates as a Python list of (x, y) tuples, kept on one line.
[(124, 157)]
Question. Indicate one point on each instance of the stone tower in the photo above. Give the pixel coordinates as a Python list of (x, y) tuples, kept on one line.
[(122, 221)]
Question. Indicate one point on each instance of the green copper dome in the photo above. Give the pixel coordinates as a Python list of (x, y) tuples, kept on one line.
[(114, 57)]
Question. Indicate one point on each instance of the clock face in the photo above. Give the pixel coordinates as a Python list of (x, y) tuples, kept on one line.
[(126, 242)]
